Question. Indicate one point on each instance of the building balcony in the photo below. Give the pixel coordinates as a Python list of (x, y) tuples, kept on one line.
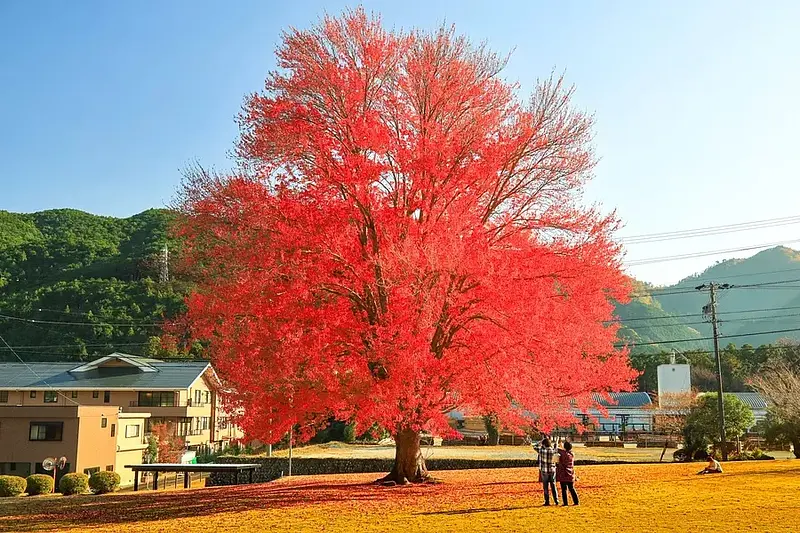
[(176, 409)]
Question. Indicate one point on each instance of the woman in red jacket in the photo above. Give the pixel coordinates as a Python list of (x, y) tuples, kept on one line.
[(565, 473)]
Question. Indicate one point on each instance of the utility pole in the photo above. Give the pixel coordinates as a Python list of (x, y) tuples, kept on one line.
[(291, 428), (711, 309)]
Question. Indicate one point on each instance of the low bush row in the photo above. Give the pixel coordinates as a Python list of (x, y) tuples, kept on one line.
[(75, 483)]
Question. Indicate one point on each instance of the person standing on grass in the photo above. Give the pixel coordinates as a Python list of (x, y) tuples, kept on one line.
[(547, 469), (565, 474)]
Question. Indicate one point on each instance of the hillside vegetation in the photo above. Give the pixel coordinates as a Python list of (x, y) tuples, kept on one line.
[(74, 284), (764, 297)]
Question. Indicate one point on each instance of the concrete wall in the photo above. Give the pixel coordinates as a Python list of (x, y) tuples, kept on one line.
[(15, 443), (130, 448), (84, 442), (674, 379), (97, 445)]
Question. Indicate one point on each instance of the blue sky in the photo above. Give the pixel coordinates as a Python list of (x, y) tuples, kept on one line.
[(102, 103)]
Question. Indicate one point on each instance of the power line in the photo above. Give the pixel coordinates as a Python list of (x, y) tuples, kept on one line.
[(711, 230), (680, 257), (722, 321), (676, 341), (698, 279), (76, 345), (60, 323), (32, 371)]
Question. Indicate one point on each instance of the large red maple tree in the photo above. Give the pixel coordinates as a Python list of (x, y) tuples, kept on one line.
[(403, 237)]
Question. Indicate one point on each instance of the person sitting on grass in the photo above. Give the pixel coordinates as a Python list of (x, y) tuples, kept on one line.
[(547, 469), (713, 466), (565, 474)]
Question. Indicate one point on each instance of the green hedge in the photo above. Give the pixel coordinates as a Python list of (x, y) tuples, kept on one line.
[(74, 483), (103, 482), (273, 467), (12, 486), (40, 484)]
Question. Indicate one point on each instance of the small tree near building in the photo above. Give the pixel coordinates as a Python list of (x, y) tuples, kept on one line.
[(779, 383), (170, 446), (670, 413), (702, 423)]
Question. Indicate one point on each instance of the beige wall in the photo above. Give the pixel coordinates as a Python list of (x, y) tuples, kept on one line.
[(85, 443), (129, 449), (15, 443), (97, 447)]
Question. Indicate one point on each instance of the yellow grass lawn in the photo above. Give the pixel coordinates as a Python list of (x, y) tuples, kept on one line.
[(755, 496), (349, 451)]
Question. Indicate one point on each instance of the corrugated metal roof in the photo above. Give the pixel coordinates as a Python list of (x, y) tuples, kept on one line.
[(170, 375), (753, 400), (630, 400)]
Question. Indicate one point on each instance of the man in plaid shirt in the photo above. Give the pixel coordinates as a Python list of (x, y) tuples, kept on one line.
[(547, 469)]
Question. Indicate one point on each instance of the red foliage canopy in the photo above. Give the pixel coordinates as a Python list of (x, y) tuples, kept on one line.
[(403, 238)]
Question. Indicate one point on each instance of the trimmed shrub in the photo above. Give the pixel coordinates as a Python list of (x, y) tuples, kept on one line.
[(349, 433), (103, 482), (12, 486), (74, 483), (40, 484)]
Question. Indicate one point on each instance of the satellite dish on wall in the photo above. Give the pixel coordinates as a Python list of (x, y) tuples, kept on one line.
[(62, 463), (49, 463)]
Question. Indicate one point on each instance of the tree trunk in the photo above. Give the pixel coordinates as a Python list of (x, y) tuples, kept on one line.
[(796, 446), (409, 464), (663, 451)]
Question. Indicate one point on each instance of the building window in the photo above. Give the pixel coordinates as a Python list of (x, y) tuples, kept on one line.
[(184, 427), (207, 397), (131, 431), (203, 423), (3, 396), (95, 394), (46, 430), (109, 468), (50, 396), (197, 397), (90, 471), (74, 394), (33, 394), (157, 399), (104, 422), (222, 423), (107, 396), (113, 430)]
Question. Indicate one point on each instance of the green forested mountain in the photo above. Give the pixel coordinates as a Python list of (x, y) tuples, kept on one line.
[(74, 284), (765, 296)]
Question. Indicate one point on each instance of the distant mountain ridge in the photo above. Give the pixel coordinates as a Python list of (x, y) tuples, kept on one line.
[(764, 297), (65, 275)]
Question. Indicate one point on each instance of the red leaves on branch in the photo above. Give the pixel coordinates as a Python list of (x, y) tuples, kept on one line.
[(404, 238)]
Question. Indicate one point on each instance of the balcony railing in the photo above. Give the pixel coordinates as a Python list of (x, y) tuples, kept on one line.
[(185, 403)]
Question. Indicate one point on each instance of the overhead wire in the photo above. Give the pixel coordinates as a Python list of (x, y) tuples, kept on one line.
[(37, 375), (710, 230)]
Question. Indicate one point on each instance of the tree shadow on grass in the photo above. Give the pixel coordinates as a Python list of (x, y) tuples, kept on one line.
[(456, 512), (514, 483), (64, 513)]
